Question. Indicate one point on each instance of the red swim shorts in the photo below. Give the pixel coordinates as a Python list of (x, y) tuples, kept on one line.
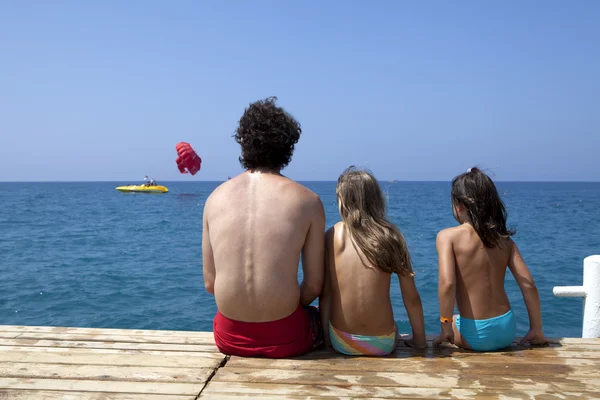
[(291, 336)]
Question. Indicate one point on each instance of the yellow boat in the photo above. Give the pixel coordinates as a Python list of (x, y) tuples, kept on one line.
[(142, 189)]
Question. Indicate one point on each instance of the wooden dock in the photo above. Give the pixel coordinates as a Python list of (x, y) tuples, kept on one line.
[(79, 363)]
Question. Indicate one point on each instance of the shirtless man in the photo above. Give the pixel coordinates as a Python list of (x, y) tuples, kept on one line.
[(255, 228), (473, 259)]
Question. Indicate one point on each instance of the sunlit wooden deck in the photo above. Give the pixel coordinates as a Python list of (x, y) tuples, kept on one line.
[(81, 363)]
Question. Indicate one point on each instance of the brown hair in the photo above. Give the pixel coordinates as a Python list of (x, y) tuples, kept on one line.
[(267, 135), (477, 193), (363, 211)]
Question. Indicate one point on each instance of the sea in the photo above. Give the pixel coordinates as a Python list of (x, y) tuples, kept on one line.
[(86, 255)]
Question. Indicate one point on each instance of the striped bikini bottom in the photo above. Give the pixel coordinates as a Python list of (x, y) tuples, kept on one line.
[(360, 345)]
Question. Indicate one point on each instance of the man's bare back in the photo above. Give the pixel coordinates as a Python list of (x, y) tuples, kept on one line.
[(480, 273), (256, 226)]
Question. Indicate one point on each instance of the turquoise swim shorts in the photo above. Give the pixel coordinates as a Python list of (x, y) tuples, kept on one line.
[(488, 334)]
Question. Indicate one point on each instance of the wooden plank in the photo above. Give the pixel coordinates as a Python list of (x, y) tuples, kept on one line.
[(54, 350), (355, 391), (15, 330), (435, 354), (111, 338), (446, 379), (549, 354), (209, 343), (533, 355), (204, 348), (512, 395), (196, 335), (561, 340), (117, 359), (595, 346), (558, 346), (104, 331), (179, 337), (17, 394), (417, 364), (82, 385), (8, 335), (588, 343), (555, 350), (567, 341), (104, 372), (237, 396)]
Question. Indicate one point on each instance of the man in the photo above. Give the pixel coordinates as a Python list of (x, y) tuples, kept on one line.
[(255, 228)]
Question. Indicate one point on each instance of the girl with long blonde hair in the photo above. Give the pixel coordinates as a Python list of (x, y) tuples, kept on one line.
[(362, 253)]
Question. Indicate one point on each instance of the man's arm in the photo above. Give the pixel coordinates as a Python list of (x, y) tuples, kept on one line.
[(208, 262), (313, 255), (325, 298)]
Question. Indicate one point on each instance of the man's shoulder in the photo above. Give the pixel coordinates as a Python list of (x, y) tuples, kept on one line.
[(216, 192), (303, 194), (230, 185), (298, 187), (220, 193)]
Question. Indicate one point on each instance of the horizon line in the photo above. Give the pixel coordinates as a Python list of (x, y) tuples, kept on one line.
[(298, 180)]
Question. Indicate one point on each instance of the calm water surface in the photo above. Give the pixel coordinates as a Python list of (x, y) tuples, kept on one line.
[(83, 254)]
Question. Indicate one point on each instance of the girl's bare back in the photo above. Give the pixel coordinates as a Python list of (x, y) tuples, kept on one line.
[(360, 293), (480, 274)]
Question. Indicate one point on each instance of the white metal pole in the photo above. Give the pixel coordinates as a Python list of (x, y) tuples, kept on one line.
[(590, 291), (591, 302)]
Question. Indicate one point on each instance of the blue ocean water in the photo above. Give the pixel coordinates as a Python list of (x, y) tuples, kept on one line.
[(83, 254)]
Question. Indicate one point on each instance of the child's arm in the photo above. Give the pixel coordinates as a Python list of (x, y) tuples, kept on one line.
[(519, 269), (325, 298), (414, 309), (446, 283)]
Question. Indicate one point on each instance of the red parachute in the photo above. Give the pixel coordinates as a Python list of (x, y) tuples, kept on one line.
[(188, 160)]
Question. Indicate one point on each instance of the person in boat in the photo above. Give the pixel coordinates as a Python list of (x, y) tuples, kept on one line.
[(473, 258), (251, 247), (149, 181)]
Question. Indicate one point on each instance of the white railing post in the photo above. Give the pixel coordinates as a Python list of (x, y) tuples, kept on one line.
[(590, 291)]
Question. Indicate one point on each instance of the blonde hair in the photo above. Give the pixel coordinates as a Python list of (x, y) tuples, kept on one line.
[(363, 210)]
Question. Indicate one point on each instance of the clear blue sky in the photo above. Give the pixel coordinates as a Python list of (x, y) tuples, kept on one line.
[(103, 90)]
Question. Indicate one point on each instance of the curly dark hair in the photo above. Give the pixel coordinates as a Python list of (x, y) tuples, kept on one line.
[(267, 135)]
